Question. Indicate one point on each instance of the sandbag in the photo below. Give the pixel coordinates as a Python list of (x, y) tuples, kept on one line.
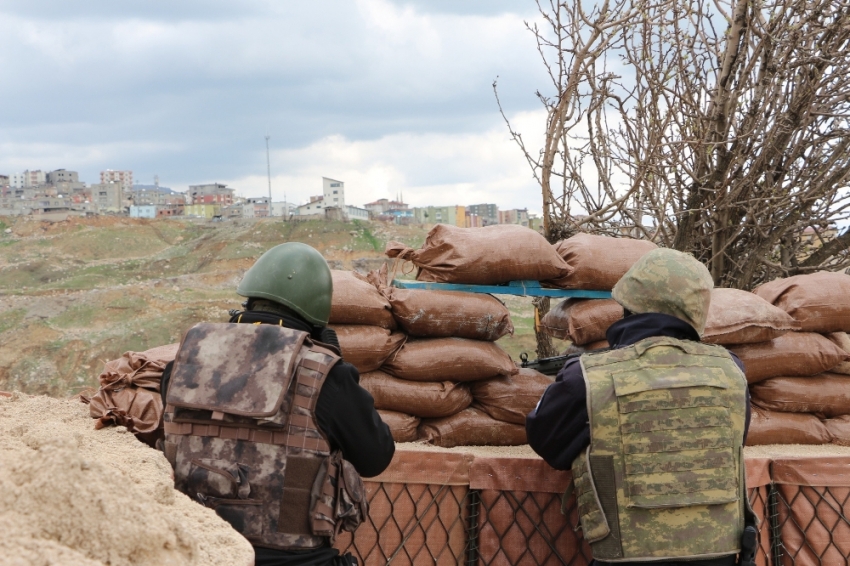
[(791, 355), (842, 340), (839, 429), (741, 317), (356, 301), (129, 392), (419, 398), (827, 394), (510, 398), (402, 427), (449, 359), (598, 262), (771, 427), (483, 256), (581, 320), (819, 301), (366, 347), (471, 427)]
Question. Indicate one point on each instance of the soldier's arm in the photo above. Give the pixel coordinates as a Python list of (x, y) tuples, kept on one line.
[(346, 413), (558, 428)]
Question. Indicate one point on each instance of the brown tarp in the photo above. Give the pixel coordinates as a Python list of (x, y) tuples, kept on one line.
[(449, 359), (471, 427), (129, 392), (826, 394), (741, 317), (772, 427), (842, 340), (366, 347), (598, 262), (483, 256), (420, 398), (794, 354), (819, 301), (839, 428), (582, 320), (356, 301), (403, 427), (815, 495), (510, 398)]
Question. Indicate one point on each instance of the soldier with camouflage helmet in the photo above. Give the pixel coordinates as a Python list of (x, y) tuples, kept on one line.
[(653, 427), (265, 423)]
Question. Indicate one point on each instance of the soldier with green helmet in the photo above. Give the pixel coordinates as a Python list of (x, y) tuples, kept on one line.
[(267, 425), (653, 427)]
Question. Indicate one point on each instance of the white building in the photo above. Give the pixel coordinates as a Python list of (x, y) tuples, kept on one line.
[(333, 192), (125, 178), (27, 179), (283, 208), (356, 213), (143, 211)]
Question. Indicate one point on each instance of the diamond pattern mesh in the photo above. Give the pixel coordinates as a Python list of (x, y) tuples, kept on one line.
[(411, 524), (517, 527), (813, 525), (759, 503)]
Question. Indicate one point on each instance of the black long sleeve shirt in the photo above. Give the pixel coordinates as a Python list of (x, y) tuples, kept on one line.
[(559, 427)]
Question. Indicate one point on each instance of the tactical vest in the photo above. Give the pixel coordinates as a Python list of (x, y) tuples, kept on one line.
[(663, 477), (241, 434)]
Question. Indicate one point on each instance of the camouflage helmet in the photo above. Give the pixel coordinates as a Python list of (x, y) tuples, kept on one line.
[(294, 275), (668, 282)]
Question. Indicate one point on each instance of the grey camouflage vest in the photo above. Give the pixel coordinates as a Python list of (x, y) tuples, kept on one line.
[(663, 476), (241, 434)]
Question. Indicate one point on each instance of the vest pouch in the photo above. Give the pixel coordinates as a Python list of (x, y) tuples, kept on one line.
[(594, 525), (244, 515), (677, 439), (220, 479), (351, 505)]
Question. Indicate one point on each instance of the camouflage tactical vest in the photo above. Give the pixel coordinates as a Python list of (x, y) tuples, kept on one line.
[(241, 434), (663, 476)]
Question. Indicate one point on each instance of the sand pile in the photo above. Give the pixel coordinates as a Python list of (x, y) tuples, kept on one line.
[(70, 494)]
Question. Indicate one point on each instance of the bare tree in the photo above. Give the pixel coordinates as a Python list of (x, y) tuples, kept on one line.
[(717, 127)]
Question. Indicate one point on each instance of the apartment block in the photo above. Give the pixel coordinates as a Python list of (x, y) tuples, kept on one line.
[(124, 178)]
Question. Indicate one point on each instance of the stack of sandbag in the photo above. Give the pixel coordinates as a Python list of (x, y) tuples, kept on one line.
[(800, 382), (129, 393), (426, 389), (364, 325)]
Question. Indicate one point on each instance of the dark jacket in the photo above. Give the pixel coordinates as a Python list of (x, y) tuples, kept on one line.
[(559, 429), (346, 413)]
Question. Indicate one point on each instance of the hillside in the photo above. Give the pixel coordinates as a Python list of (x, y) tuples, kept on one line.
[(77, 293)]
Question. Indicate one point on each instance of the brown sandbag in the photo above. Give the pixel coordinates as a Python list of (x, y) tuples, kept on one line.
[(356, 301), (449, 359), (402, 427), (842, 340), (129, 392), (839, 428), (419, 398), (510, 398), (483, 256), (366, 347), (741, 317), (772, 427), (598, 262), (794, 354), (819, 301), (471, 427), (582, 320), (827, 394)]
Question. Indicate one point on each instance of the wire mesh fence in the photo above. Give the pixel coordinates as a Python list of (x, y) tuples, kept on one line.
[(812, 525)]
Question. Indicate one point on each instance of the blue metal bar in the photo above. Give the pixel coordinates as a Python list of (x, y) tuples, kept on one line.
[(520, 288)]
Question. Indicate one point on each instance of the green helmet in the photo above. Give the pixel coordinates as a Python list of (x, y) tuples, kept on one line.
[(294, 275), (668, 282)]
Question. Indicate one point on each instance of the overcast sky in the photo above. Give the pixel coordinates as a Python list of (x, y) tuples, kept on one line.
[(387, 95)]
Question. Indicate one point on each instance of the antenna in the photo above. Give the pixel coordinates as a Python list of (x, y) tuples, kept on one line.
[(269, 172)]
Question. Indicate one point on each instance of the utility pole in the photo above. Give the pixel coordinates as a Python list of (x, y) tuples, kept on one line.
[(269, 173)]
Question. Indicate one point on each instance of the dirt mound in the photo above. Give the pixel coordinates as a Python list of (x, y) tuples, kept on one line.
[(72, 495)]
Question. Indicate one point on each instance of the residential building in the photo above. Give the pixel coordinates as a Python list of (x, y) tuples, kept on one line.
[(514, 216), (4, 181), (488, 213), (202, 210), (124, 178), (333, 192), (285, 209), (255, 207), (211, 193), (27, 179), (473, 220), (312, 208), (108, 197), (143, 211), (383, 206), (356, 213), (154, 194), (453, 215), (62, 176)]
